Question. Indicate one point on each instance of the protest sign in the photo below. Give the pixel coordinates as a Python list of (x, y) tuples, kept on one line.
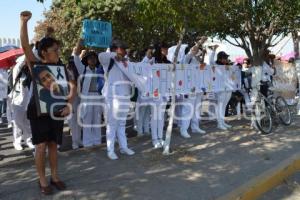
[(97, 33), (285, 80), (190, 78)]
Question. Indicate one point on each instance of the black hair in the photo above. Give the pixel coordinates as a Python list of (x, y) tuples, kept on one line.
[(38, 69), (46, 43), (187, 49), (88, 55)]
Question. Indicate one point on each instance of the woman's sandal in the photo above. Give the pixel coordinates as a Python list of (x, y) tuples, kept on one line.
[(58, 185), (45, 190)]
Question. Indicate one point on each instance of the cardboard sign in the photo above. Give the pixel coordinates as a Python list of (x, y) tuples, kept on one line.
[(97, 33)]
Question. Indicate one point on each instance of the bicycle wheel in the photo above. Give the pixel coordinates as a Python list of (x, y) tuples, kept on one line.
[(283, 111), (263, 118)]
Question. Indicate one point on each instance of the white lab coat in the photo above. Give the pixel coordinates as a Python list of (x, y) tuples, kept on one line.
[(18, 100), (90, 108), (117, 91)]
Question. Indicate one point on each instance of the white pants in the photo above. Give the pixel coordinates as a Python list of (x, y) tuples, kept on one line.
[(143, 118), (74, 125), (9, 111), (22, 129), (91, 122), (190, 112), (117, 110), (222, 101), (197, 112), (17, 134), (158, 108), (247, 99), (186, 113)]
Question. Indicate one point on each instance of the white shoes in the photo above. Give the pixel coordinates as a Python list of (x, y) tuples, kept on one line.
[(127, 151), (198, 130), (222, 127), (112, 155), (157, 144), (9, 125), (30, 145), (18, 146), (185, 134), (227, 125)]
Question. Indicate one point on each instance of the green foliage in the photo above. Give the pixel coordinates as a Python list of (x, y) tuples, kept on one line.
[(253, 24), (138, 22)]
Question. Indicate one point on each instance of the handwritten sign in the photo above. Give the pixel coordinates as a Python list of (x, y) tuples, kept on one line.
[(97, 33), (190, 79)]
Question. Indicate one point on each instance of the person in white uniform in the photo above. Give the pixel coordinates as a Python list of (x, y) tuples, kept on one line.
[(268, 70), (158, 104), (223, 97), (19, 98), (92, 104), (117, 91), (144, 109), (193, 100)]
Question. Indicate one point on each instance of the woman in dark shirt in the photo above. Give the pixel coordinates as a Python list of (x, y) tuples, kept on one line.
[(46, 132)]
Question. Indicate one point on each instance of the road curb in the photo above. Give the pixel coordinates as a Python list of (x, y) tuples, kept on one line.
[(265, 181)]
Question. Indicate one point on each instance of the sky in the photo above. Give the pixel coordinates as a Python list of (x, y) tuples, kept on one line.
[(10, 12), (10, 23)]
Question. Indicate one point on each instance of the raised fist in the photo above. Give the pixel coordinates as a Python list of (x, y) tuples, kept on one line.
[(25, 16)]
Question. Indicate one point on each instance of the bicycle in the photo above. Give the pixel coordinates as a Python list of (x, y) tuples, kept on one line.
[(268, 109)]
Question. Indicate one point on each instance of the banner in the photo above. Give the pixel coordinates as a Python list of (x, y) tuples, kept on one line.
[(97, 33), (285, 80), (190, 78)]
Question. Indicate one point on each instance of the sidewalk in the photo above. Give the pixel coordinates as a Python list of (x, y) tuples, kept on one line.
[(203, 167)]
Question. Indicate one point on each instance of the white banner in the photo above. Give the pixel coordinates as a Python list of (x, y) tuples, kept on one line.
[(190, 79)]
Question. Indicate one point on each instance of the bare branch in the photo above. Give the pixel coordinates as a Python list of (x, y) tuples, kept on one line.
[(237, 41), (272, 45), (237, 45)]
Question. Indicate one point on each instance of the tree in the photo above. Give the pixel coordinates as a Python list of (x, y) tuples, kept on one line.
[(253, 25), (138, 22)]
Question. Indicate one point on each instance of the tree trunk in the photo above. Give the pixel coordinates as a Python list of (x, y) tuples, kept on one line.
[(296, 40), (257, 54)]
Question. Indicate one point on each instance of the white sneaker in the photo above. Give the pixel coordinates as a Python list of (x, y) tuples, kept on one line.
[(157, 145), (9, 125), (185, 134), (112, 155), (162, 142), (222, 127), (198, 130), (30, 145), (127, 151), (18, 147), (227, 125)]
